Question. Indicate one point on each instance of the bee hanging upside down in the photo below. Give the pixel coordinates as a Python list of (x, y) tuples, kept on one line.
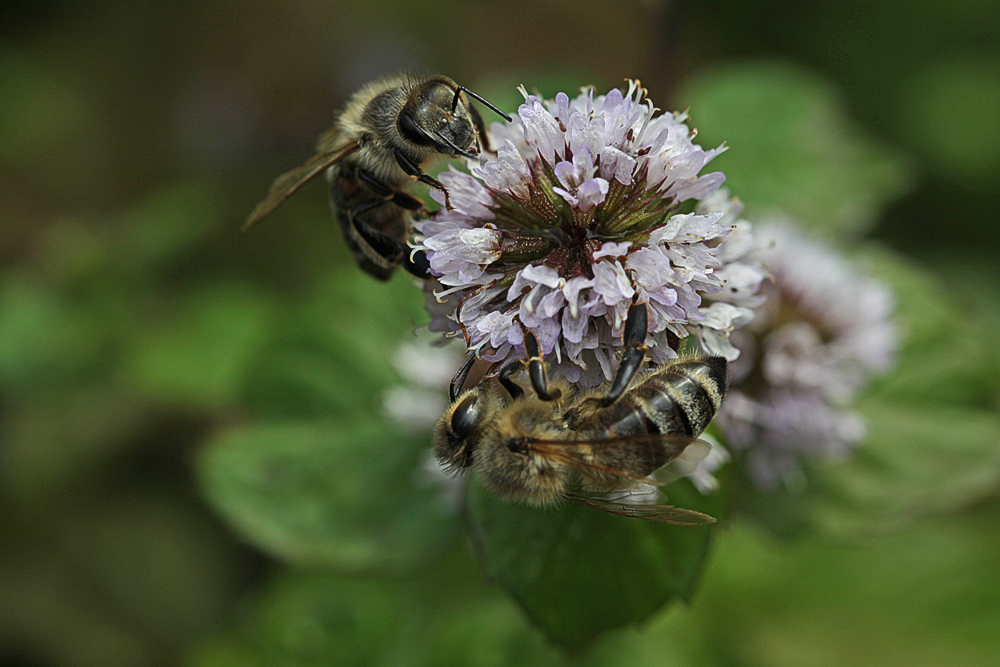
[(560, 444), (386, 133)]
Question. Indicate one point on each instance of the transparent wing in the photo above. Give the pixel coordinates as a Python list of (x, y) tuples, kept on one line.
[(288, 183), (657, 513), (685, 463), (580, 454)]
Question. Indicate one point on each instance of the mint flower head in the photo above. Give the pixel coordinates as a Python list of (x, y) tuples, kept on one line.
[(823, 332), (590, 204)]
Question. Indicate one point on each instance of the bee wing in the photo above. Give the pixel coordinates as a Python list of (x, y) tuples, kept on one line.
[(686, 462), (574, 452), (658, 513), (287, 184)]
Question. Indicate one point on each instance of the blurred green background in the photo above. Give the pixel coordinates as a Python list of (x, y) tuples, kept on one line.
[(194, 463)]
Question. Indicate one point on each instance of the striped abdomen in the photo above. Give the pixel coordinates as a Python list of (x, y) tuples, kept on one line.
[(679, 398)]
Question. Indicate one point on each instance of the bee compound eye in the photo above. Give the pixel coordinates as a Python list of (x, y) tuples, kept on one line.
[(465, 416), (409, 129)]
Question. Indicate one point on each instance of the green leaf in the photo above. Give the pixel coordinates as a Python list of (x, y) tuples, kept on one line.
[(435, 618), (329, 494), (317, 619), (46, 337), (578, 572), (158, 230), (202, 353), (793, 149), (333, 354), (946, 356), (915, 461)]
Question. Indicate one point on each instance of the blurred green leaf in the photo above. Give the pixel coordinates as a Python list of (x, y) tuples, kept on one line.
[(579, 572), (488, 632), (322, 619), (948, 113), (202, 355), (923, 596), (792, 149), (332, 354), (58, 441), (171, 220), (122, 577), (319, 619), (46, 336), (154, 557), (36, 112), (915, 461), (346, 495), (946, 356)]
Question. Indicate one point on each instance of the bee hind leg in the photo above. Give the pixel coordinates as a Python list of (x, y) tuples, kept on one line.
[(392, 252), (635, 351), (374, 242), (417, 265)]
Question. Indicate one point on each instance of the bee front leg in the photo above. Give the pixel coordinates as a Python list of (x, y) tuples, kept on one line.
[(455, 388), (511, 369), (412, 169), (635, 351), (536, 369)]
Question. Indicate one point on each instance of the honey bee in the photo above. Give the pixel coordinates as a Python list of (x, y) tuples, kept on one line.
[(386, 133), (558, 443)]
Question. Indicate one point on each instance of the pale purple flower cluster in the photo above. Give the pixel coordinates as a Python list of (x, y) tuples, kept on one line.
[(824, 330), (582, 211)]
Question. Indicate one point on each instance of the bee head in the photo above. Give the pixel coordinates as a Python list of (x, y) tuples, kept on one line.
[(438, 117), (459, 429)]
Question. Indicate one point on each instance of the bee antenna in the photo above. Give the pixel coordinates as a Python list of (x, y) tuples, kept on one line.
[(454, 103)]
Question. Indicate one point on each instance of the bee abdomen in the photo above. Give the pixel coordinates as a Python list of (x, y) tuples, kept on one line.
[(677, 399)]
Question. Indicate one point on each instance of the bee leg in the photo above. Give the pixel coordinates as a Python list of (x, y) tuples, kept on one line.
[(635, 352), (386, 247), (406, 201), (513, 368), (536, 369), (400, 199), (455, 388), (414, 170), (389, 249), (417, 265)]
